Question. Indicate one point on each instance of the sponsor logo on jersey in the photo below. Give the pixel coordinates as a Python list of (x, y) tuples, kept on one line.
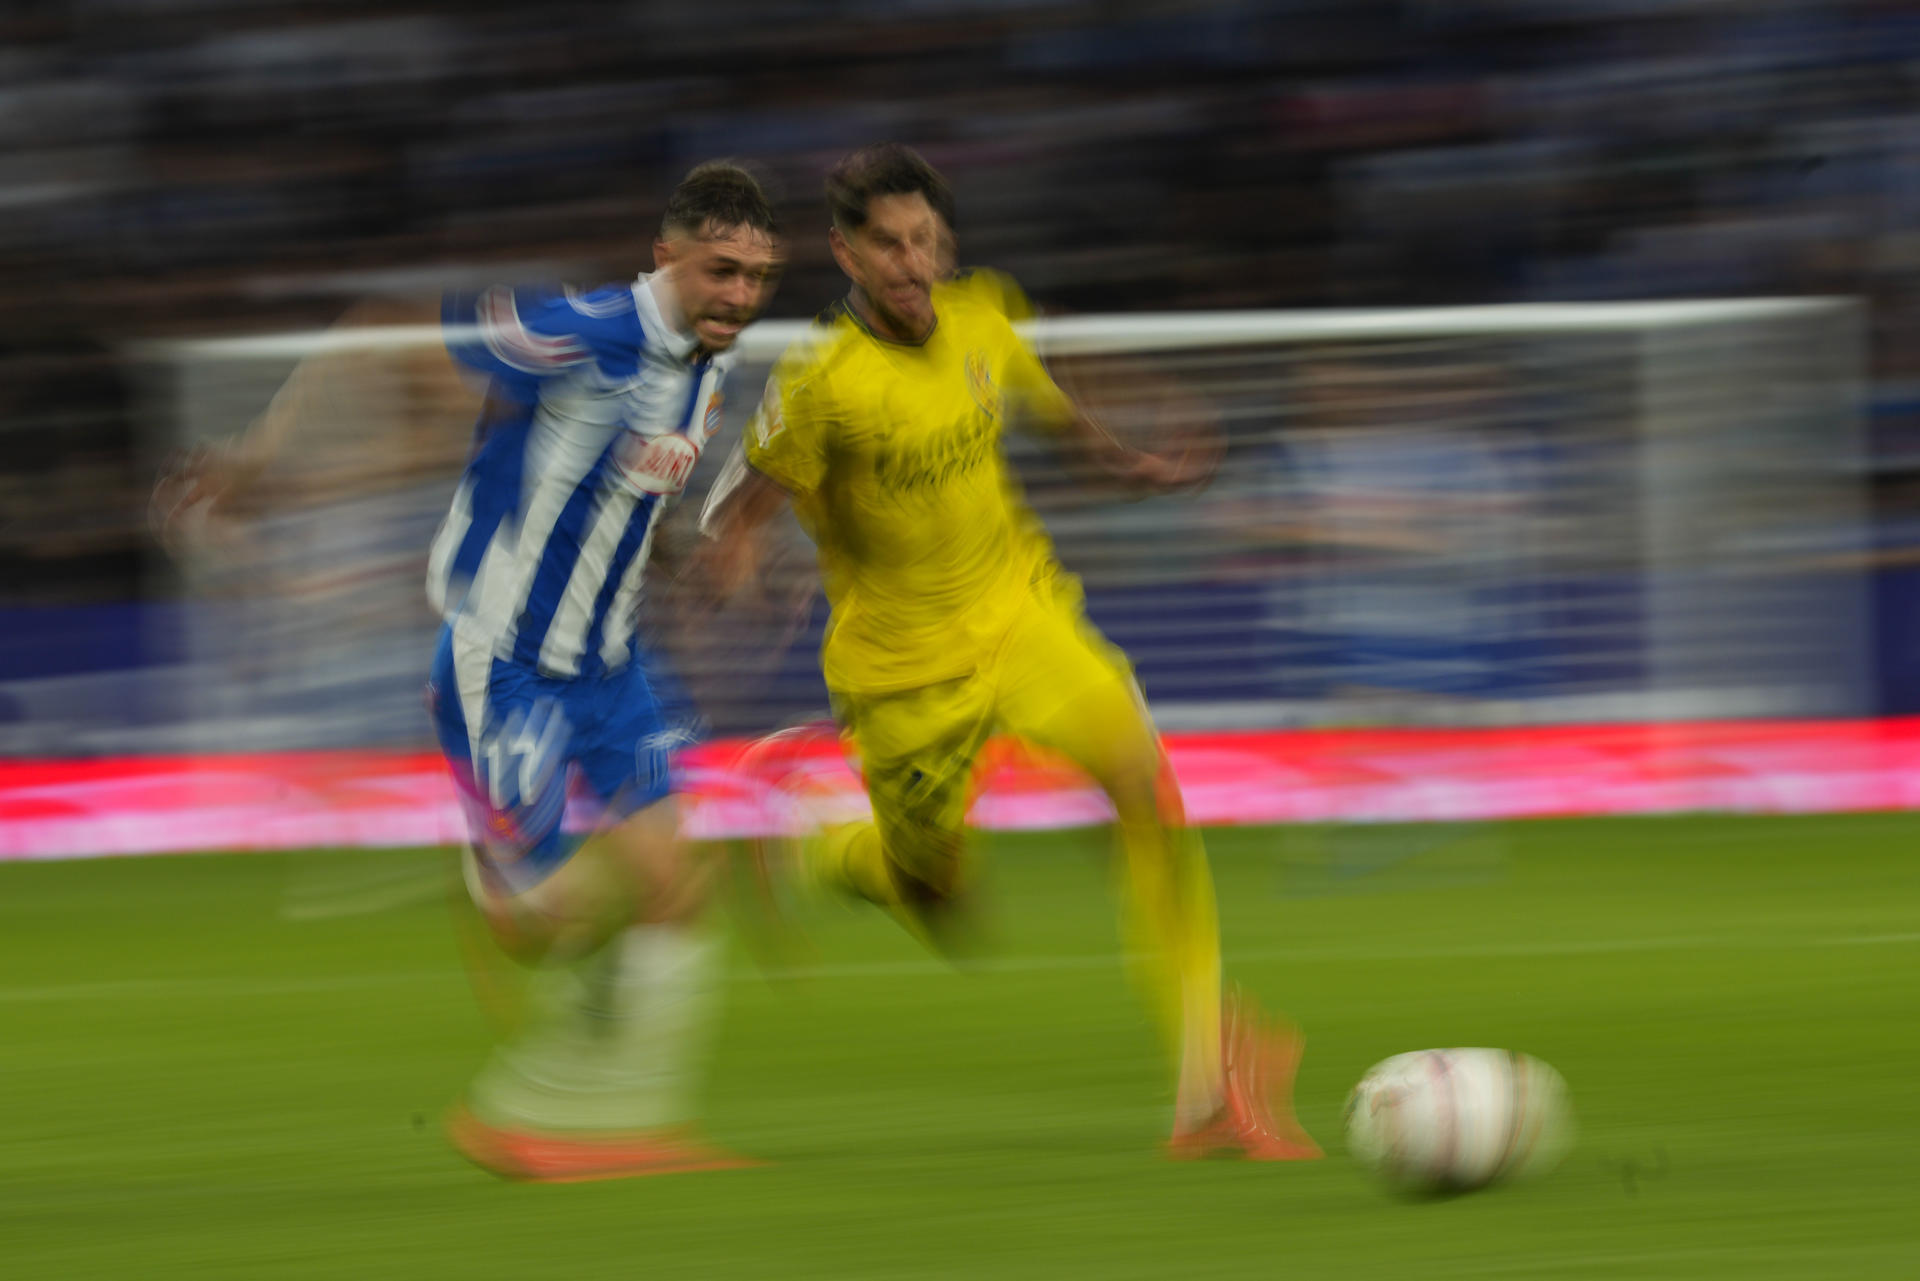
[(659, 465), (940, 456)]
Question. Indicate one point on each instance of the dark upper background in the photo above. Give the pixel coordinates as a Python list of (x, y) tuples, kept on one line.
[(220, 166)]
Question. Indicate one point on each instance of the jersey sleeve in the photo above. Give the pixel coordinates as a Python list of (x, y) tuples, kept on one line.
[(519, 336), (996, 289), (787, 438), (1035, 400)]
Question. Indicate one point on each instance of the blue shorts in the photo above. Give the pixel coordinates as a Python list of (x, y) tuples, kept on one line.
[(518, 742)]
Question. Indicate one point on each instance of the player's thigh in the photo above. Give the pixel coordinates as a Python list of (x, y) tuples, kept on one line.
[(1065, 688), (627, 751), (509, 740), (508, 744), (917, 750)]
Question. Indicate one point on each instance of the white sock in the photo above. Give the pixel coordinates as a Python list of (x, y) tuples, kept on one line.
[(670, 973), (620, 1041)]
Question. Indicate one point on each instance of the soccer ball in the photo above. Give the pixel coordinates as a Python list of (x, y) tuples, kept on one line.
[(1451, 1120)]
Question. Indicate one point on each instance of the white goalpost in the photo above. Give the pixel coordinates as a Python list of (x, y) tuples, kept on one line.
[(1473, 516)]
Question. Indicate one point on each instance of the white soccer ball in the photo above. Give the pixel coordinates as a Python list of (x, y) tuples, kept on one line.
[(1450, 1120)]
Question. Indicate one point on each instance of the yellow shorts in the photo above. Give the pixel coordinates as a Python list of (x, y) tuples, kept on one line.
[(1054, 683)]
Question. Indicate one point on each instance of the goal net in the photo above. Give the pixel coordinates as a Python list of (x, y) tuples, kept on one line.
[(1488, 515)]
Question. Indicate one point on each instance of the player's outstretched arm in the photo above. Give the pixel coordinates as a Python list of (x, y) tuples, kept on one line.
[(219, 478), (1119, 421), (1185, 455), (739, 507)]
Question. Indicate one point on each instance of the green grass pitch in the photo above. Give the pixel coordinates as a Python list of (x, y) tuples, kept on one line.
[(232, 1067)]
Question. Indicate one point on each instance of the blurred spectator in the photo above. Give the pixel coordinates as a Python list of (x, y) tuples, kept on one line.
[(72, 492), (218, 166)]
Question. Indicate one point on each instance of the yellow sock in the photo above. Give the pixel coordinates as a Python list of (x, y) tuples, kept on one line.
[(1174, 928)]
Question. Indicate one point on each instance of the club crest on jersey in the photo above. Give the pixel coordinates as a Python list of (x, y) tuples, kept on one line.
[(656, 465), (711, 423), (980, 382)]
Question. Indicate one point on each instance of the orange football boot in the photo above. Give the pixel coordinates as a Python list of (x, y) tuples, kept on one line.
[(546, 1157), (1257, 1066)]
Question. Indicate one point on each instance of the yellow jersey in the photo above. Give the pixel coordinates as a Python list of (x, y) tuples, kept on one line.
[(891, 453)]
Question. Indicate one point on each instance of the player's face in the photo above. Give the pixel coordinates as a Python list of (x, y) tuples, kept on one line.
[(893, 261), (723, 278)]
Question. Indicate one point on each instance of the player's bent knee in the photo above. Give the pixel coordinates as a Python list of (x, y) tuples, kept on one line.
[(557, 919), (932, 867), (925, 858)]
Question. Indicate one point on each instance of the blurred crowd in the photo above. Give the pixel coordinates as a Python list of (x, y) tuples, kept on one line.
[(198, 167), (198, 162), (230, 165)]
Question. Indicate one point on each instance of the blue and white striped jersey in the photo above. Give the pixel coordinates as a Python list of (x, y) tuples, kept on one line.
[(541, 557)]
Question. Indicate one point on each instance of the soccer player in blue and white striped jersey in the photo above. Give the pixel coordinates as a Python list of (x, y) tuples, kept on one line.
[(598, 405)]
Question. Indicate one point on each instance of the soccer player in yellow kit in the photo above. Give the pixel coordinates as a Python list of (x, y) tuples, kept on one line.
[(952, 619)]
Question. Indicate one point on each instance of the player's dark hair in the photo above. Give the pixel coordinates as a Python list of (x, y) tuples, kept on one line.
[(718, 196), (885, 169)]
